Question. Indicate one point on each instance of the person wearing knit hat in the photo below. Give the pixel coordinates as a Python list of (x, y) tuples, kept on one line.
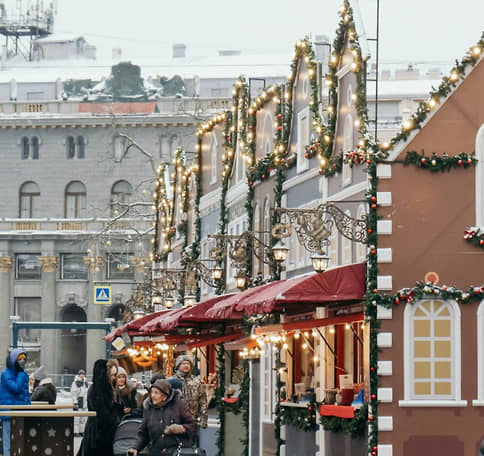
[(191, 388), (167, 421), (44, 388), (125, 395)]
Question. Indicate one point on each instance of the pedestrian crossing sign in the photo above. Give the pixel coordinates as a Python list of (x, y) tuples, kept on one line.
[(102, 294)]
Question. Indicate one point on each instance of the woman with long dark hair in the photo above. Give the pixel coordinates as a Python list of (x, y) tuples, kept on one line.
[(99, 431)]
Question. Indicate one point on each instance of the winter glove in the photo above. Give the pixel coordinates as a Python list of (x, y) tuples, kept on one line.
[(175, 429)]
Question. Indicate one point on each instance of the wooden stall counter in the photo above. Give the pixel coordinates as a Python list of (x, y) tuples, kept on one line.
[(46, 432)]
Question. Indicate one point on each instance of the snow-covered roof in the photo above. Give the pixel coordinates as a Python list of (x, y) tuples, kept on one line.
[(58, 38), (214, 67), (416, 88)]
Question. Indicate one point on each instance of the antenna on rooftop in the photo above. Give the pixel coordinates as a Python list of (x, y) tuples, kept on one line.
[(28, 20)]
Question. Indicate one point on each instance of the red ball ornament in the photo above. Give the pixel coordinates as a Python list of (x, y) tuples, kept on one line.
[(320, 171), (423, 161), (368, 161), (279, 127), (279, 115), (469, 161), (372, 369), (481, 242), (309, 408), (373, 206), (373, 397), (375, 290), (459, 162), (370, 231), (263, 176), (251, 183), (373, 199), (397, 301), (375, 448), (373, 453), (306, 156), (370, 418)]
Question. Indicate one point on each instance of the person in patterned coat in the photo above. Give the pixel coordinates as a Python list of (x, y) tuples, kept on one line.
[(191, 389)]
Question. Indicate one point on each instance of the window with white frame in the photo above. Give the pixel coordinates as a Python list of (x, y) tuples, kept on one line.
[(480, 177), (347, 147), (29, 200), (333, 246), (267, 229), (361, 246), (213, 158), (432, 350), (303, 137), (346, 246), (267, 378), (75, 200), (121, 193)]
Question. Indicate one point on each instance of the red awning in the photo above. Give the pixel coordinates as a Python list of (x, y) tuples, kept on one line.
[(340, 284), (186, 316), (133, 326)]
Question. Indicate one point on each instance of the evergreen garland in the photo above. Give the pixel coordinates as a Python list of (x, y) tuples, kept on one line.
[(301, 418), (219, 400), (447, 85), (278, 409), (474, 236), (355, 426), (439, 162)]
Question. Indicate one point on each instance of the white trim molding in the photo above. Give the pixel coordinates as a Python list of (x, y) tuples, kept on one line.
[(384, 282), (384, 340), (385, 449), (382, 313), (384, 198), (431, 404), (385, 255), (384, 171), (384, 226), (385, 368), (385, 395), (385, 423)]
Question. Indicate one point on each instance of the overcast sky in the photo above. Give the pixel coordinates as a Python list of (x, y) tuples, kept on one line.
[(411, 30)]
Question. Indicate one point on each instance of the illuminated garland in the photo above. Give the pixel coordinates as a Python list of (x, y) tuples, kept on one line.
[(415, 121), (219, 400), (439, 162), (301, 418)]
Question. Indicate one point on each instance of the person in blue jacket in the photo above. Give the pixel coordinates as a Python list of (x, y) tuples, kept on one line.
[(14, 389)]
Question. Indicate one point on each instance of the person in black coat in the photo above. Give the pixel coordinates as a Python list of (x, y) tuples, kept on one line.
[(126, 395), (167, 421), (99, 431), (44, 388)]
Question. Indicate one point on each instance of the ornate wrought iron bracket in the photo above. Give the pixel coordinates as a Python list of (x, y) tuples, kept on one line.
[(314, 226)]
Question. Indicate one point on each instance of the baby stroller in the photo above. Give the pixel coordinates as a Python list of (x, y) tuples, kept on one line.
[(125, 434)]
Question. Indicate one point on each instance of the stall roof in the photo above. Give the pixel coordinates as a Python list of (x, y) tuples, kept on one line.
[(187, 316), (340, 284), (133, 326)]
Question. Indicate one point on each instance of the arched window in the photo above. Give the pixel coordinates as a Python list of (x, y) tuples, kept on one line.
[(432, 351), (213, 158), (29, 198), (267, 230), (120, 194), (361, 246), (346, 246), (347, 147), (75, 200), (71, 147), (333, 246)]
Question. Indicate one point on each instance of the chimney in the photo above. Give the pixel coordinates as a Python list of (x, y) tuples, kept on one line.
[(228, 52), (117, 53), (179, 50)]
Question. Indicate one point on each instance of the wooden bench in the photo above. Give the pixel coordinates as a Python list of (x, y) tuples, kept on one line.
[(40, 431)]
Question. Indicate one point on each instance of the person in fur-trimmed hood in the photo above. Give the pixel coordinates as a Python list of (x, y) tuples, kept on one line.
[(44, 388), (191, 389), (14, 389)]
